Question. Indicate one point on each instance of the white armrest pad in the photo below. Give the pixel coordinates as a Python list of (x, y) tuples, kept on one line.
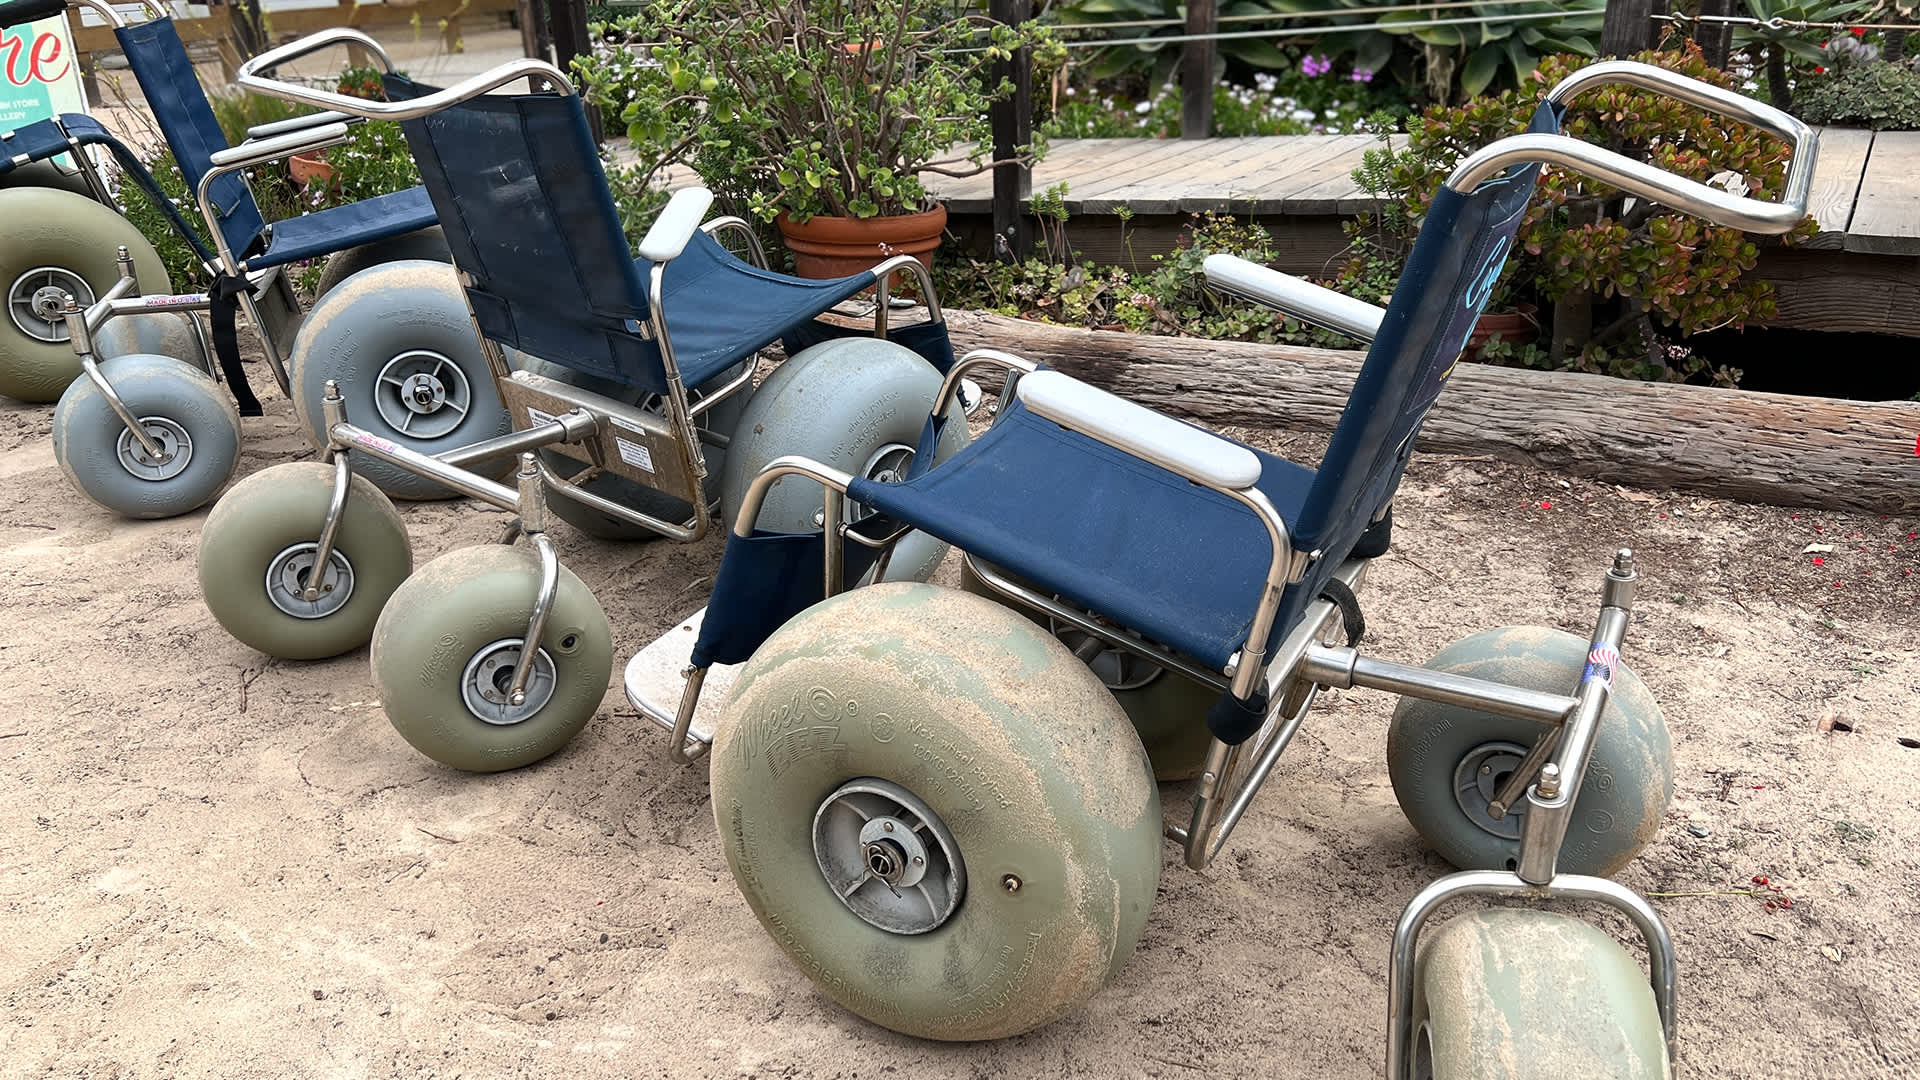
[(1296, 296), (1174, 446), (676, 224), (257, 151)]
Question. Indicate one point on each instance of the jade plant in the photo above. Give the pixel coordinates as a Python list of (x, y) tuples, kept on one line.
[(805, 108), (1620, 282)]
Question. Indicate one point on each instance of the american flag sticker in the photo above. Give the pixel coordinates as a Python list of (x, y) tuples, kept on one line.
[(1601, 663)]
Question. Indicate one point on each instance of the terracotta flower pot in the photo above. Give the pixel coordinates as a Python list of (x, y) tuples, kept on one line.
[(831, 247), (310, 168), (1518, 327)]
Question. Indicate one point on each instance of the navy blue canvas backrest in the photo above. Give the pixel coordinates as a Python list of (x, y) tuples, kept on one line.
[(517, 184), (167, 80), (1462, 247)]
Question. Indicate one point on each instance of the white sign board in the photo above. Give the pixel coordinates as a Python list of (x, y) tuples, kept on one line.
[(39, 74)]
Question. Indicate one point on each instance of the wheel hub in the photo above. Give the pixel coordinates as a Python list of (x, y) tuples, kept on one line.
[(887, 465), (290, 572), (1477, 781), (888, 857), (484, 685), (172, 440), (37, 300), (1118, 669), (422, 393)]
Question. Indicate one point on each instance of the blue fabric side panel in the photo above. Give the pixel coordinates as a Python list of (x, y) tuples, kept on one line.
[(1457, 258), (929, 339), (765, 580), (1119, 536), (180, 107), (338, 228)]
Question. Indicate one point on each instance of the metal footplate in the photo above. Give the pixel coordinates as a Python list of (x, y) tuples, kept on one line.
[(629, 441), (657, 685)]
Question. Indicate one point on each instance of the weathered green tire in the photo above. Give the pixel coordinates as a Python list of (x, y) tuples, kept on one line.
[(839, 403), (455, 607), (1169, 712), (1012, 743), (173, 399), (47, 227), (375, 319), (46, 174), (160, 333), (1518, 994), (1629, 779), (273, 509), (429, 244)]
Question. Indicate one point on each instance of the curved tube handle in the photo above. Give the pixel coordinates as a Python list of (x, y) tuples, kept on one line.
[(252, 76), (1651, 182)]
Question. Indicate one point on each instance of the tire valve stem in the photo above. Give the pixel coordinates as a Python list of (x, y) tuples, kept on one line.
[(1010, 883)]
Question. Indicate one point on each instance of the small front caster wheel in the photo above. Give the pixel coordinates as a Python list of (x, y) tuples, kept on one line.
[(1448, 762), (445, 649), (257, 561), (191, 424), (1517, 994)]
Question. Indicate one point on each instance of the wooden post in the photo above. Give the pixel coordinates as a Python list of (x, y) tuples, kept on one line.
[(1715, 38), (535, 41), (1012, 128), (570, 40), (1196, 71), (1627, 28)]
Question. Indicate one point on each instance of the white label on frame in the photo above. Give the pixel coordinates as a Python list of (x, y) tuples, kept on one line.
[(634, 454)]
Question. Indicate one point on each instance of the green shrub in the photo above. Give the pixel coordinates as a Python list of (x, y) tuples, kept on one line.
[(1878, 95)]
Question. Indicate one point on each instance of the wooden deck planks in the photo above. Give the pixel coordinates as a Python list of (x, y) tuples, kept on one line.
[(1886, 216), (1836, 183)]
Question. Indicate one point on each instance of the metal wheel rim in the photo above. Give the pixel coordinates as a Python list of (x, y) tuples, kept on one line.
[(888, 857), (176, 450), (422, 394), (34, 302), (287, 577), (1477, 780), (887, 465), (483, 685)]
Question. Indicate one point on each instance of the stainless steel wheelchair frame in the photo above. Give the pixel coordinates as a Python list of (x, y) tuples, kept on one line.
[(548, 413), (1550, 776)]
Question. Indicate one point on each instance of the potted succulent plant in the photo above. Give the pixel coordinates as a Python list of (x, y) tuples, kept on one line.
[(818, 116)]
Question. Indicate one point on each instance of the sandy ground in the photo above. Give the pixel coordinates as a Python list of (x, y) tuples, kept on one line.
[(213, 864)]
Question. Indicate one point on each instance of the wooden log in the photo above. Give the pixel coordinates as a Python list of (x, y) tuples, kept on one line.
[(1769, 448)]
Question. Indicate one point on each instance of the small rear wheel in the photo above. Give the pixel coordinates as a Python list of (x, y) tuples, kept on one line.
[(445, 650), (161, 333), (257, 560), (1516, 994), (937, 812), (188, 419)]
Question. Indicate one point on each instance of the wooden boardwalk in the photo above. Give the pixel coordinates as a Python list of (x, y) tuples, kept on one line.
[(1861, 272)]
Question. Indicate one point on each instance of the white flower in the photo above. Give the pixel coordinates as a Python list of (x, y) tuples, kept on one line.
[(1303, 115), (1143, 108)]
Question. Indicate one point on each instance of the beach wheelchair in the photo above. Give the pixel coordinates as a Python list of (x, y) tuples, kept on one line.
[(635, 376), (939, 804), (146, 432)]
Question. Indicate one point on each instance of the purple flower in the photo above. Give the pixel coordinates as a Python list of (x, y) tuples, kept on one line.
[(1362, 75), (1315, 66)]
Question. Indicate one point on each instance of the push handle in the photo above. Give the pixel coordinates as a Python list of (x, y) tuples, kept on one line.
[(1690, 196), (17, 12), (252, 76)]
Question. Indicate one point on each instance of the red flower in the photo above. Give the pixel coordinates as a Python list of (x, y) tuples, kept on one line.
[(1818, 561), (1858, 31), (1823, 71)]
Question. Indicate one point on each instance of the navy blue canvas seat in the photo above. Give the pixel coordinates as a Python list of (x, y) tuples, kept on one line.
[(1126, 539), (521, 194), (160, 64)]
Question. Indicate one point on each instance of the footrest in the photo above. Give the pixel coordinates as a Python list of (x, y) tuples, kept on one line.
[(655, 683)]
